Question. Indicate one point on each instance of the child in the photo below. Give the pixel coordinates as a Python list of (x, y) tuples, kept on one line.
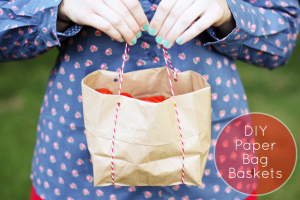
[(259, 32)]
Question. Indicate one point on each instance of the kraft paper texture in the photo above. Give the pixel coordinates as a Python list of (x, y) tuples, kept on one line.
[(147, 149)]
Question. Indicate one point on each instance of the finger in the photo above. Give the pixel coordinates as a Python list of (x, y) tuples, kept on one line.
[(205, 21), (183, 22), (102, 24), (116, 20), (160, 15), (122, 10), (135, 8), (172, 17)]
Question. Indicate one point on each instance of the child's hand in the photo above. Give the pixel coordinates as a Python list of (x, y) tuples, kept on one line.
[(173, 17), (117, 18)]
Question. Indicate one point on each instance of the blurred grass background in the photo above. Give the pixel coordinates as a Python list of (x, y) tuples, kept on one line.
[(22, 87)]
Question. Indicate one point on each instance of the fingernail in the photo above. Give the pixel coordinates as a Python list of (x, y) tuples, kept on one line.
[(122, 40), (179, 40), (145, 27), (139, 35), (133, 41), (166, 43), (159, 40), (152, 31)]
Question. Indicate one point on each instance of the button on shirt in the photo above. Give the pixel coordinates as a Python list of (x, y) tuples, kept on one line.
[(265, 34)]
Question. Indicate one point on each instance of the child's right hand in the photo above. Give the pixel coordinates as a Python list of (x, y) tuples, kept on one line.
[(117, 18)]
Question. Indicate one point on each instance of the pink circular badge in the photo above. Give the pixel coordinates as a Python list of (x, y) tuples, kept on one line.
[(255, 152)]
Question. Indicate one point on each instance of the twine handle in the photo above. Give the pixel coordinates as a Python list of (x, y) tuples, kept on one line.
[(168, 62), (127, 48)]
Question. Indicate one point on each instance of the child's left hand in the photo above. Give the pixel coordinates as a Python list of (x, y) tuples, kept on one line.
[(173, 17)]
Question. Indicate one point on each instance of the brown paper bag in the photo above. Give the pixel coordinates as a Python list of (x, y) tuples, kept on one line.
[(147, 147)]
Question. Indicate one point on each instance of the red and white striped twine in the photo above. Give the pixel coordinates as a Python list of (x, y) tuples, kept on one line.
[(116, 114), (167, 60)]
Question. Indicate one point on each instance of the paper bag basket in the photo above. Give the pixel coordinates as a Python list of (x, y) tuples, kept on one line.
[(148, 149)]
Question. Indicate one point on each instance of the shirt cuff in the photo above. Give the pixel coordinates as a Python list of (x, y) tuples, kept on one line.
[(233, 41), (73, 30)]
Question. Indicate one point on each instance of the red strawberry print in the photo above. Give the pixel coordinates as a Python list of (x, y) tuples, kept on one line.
[(153, 7), (156, 60), (59, 134), (268, 3), (226, 98), (205, 77), (145, 45), (99, 193), (80, 98), (71, 77), (147, 194), (103, 66), (55, 145), (196, 60), (49, 172), (83, 33), (20, 31), (77, 115), (108, 51), (222, 113), (88, 63), (79, 48), (69, 91), (74, 173), (98, 33), (73, 186), (89, 178), (181, 56), (219, 64), (131, 189), (233, 110), (72, 126), (112, 197), (209, 61), (218, 81), (82, 146), (228, 83), (68, 155), (253, 28), (141, 62), (61, 180), (46, 185), (62, 120), (185, 198), (93, 48), (76, 65), (70, 139), (67, 58), (210, 156), (56, 191), (206, 172), (175, 187)]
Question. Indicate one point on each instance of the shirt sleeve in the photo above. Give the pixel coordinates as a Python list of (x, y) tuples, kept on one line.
[(28, 28), (265, 33)]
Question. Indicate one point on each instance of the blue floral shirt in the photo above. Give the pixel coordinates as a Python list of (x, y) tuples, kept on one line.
[(265, 35)]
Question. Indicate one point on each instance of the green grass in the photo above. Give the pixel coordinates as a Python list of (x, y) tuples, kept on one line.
[(22, 87)]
